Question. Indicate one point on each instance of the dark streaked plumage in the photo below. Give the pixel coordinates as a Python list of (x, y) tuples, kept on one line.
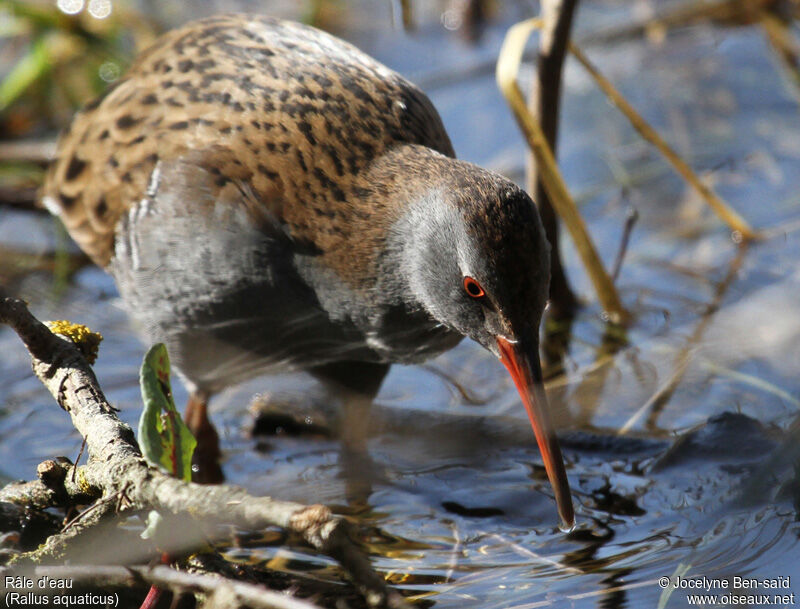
[(267, 196)]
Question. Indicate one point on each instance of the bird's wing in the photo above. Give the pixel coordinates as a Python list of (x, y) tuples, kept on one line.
[(295, 113), (189, 205)]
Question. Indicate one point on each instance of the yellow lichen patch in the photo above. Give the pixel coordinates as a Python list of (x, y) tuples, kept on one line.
[(86, 340), (83, 483)]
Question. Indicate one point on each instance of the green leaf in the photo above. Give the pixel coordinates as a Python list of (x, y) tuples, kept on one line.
[(163, 436), (28, 69)]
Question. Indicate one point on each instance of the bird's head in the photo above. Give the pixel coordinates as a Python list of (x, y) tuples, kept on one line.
[(478, 261)]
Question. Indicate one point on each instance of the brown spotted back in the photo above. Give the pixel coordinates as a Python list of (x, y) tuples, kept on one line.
[(295, 115)]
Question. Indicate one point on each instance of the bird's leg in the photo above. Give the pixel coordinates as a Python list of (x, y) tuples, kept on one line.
[(205, 462), (357, 384), (354, 428)]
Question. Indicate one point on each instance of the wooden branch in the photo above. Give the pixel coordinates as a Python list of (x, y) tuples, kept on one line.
[(544, 106), (54, 488), (116, 465), (507, 69)]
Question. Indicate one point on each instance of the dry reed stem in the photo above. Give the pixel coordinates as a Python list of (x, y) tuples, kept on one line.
[(720, 207), (507, 69)]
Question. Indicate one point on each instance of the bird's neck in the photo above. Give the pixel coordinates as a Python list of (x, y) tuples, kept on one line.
[(420, 184)]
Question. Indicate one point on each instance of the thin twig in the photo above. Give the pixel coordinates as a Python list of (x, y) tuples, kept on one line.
[(402, 15), (750, 380), (452, 563), (31, 151), (96, 505), (537, 558), (689, 12), (467, 396), (682, 14), (630, 222), (655, 404), (720, 207), (780, 37), (78, 458), (544, 105)]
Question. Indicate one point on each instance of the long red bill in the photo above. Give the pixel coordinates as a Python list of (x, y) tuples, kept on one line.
[(523, 364)]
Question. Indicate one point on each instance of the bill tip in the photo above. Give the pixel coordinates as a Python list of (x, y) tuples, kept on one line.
[(566, 527)]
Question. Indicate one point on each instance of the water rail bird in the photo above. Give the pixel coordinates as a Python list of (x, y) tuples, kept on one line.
[(268, 197)]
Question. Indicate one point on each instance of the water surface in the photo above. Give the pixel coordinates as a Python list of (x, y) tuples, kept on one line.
[(676, 431)]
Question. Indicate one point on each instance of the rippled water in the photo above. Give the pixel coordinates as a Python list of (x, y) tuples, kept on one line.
[(677, 432)]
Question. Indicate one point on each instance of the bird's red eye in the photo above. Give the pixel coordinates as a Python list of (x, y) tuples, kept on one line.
[(473, 288)]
